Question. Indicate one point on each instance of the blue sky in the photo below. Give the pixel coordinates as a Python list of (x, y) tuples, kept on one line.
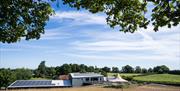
[(80, 37)]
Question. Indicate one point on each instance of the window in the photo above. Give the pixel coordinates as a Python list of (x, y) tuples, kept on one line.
[(94, 79), (87, 79)]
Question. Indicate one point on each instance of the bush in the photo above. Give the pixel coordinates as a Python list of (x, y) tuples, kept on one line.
[(177, 72), (129, 78)]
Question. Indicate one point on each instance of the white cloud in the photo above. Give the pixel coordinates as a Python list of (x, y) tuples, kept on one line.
[(9, 50), (79, 18), (162, 45), (23, 47), (113, 45), (54, 34), (123, 57)]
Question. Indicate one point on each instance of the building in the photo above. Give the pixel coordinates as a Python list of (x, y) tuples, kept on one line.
[(74, 79), (80, 79), (63, 77)]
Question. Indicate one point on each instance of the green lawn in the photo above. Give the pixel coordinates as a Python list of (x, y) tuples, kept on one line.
[(159, 78)]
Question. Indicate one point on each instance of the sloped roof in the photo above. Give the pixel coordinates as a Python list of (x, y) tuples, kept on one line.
[(64, 77), (116, 79), (82, 75), (40, 83)]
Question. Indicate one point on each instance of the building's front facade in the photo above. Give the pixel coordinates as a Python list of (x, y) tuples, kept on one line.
[(79, 79)]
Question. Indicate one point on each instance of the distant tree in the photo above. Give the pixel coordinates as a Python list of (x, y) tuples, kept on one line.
[(104, 73), (90, 69), (83, 68), (51, 72), (106, 69), (65, 69), (115, 69), (41, 70), (58, 70), (150, 70), (177, 72), (127, 69), (96, 69), (165, 69), (75, 68), (161, 69), (138, 69), (144, 70), (22, 74), (6, 77)]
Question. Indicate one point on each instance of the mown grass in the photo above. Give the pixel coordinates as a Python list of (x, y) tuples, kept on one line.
[(159, 78)]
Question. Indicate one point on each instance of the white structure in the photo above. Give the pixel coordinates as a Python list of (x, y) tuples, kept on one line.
[(117, 79), (79, 79), (75, 79)]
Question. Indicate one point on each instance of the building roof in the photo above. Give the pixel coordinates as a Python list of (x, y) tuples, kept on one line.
[(84, 75), (64, 77), (116, 80), (40, 83)]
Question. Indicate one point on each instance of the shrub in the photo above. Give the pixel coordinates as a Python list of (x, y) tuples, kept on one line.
[(129, 78), (177, 72)]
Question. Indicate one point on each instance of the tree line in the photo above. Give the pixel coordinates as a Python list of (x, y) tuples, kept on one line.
[(7, 76)]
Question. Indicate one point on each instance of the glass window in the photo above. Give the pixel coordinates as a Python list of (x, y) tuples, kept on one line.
[(87, 79)]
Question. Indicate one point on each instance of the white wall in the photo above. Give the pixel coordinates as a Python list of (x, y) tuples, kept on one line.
[(77, 82)]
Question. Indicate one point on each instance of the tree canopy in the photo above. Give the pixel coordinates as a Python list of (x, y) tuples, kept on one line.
[(41, 71), (127, 69), (161, 69), (27, 18), (23, 18)]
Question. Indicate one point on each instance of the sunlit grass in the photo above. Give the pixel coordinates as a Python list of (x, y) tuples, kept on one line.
[(159, 78)]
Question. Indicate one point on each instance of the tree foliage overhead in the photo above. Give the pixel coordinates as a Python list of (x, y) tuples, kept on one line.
[(23, 18), (130, 14), (27, 18)]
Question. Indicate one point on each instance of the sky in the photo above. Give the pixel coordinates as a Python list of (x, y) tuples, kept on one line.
[(73, 36)]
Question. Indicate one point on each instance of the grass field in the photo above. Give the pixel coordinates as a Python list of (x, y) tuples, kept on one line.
[(160, 78), (97, 88)]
